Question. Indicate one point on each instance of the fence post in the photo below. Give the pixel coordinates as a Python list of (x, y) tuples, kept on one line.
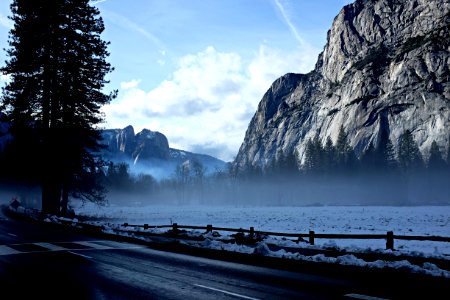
[(145, 226), (125, 224), (390, 240), (175, 227), (252, 232), (208, 228), (311, 237)]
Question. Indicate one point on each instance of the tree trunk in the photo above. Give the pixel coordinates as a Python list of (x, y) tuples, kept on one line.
[(51, 196), (64, 200)]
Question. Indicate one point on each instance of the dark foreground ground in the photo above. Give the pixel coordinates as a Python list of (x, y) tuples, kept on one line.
[(39, 261)]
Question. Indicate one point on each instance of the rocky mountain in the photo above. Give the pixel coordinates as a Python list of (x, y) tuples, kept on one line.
[(146, 152), (385, 66), (149, 151)]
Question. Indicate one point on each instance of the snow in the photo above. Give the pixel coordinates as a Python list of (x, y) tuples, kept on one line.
[(421, 220)]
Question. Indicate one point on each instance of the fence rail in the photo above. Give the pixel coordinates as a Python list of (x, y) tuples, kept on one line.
[(311, 236)]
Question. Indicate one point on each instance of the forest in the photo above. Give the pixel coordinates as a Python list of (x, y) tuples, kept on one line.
[(331, 174)]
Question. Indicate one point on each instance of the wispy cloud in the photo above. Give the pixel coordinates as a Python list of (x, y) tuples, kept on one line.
[(130, 25), (97, 2), (5, 22), (280, 4)]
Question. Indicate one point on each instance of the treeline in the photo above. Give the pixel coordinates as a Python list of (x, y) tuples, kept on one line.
[(331, 174), (186, 185), (339, 159)]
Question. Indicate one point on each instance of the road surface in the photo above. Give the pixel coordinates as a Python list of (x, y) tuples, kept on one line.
[(44, 262)]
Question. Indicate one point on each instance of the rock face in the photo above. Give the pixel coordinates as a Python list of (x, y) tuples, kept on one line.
[(144, 145), (385, 66), (150, 150)]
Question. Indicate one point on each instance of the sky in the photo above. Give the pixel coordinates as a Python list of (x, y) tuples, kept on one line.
[(196, 70)]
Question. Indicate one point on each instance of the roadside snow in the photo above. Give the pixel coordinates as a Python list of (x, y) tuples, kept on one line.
[(420, 220), (401, 220)]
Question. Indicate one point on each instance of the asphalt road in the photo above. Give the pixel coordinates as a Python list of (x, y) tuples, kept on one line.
[(43, 262)]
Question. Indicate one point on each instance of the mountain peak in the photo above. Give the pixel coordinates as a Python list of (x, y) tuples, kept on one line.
[(149, 151)]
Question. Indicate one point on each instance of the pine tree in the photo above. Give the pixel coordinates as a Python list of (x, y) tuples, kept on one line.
[(329, 156), (314, 156), (435, 161), (310, 157), (20, 95), (368, 158), (409, 156), (57, 62), (385, 153), (345, 156)]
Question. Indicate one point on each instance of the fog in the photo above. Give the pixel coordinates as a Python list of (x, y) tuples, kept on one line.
[(29, 197), (380, 189), (223, 189), (157, 168), (161, 169)]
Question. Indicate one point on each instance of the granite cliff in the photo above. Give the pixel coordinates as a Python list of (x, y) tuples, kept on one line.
[(385, 66)]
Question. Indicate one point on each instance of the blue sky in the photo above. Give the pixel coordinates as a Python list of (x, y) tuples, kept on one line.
[(196, 70)]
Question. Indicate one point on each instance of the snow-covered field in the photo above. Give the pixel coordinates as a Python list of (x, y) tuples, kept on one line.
[(420, 220)]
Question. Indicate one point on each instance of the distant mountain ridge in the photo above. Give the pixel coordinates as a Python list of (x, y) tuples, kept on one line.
[(385, 67), (150, 150), (145, 152)]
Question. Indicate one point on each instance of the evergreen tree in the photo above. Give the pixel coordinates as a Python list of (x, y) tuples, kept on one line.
[(279, 163), (345, 156), (409, 156), (329, 155), (314, 154), (368, 158), (290, 163), (310, 163), (57, 62), (435, 161), (385, 153)]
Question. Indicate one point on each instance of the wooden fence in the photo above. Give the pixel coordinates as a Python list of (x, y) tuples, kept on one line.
[(311, 236)]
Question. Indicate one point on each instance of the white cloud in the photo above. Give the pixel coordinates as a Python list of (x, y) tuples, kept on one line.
[(208, 101), (5, 22), (130, 84)]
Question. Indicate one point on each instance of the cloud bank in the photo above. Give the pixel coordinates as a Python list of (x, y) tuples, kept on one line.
[(206, 104)]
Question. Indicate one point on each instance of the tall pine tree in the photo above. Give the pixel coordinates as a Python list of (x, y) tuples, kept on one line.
[(409, 156), (345, 156), (57, 62), (329, 155), (435, 161), (385, 153)]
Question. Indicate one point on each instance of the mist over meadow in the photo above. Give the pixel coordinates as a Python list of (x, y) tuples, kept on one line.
[(330, 174)]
